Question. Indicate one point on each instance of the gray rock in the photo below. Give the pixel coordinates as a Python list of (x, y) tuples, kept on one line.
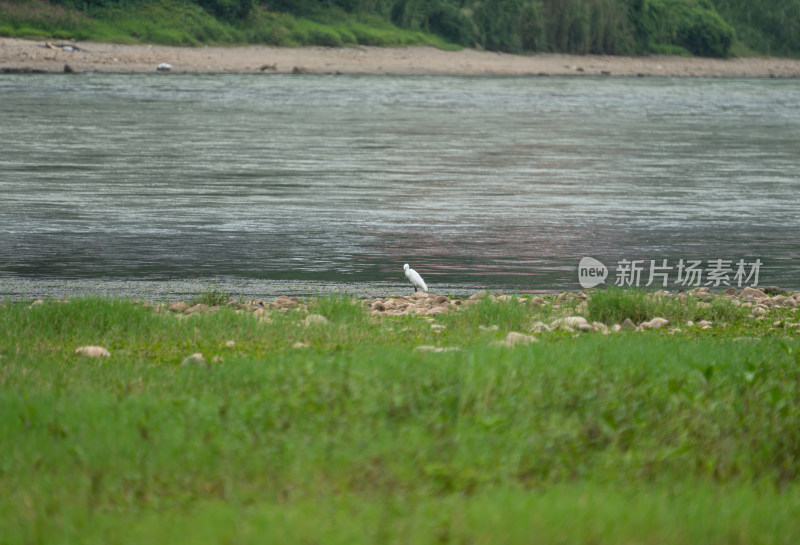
[(628, 325), (752, 293)]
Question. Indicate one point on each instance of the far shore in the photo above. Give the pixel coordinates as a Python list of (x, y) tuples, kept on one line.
[(27, 56)]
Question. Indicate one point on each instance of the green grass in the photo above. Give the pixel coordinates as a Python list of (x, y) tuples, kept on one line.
[(212, 295), (636, 437), (614, 305)]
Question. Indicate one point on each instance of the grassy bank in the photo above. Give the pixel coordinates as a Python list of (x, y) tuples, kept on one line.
[(323, 421), (182, 23)]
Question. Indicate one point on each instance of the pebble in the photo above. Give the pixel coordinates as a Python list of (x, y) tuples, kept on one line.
[(539, 327), (312, 319), (655, 323), (514, 338), (180, 306), (753, 293), (570, 322), (195, 309), (601, 327), (195, 359), (436, 349), (92, 351)]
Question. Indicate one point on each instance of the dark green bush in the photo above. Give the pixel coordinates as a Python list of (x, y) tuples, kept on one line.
[(324, 37), (692, 24), (228, 10), (704, 33), (768, 26), (514, 26), (437, 16)]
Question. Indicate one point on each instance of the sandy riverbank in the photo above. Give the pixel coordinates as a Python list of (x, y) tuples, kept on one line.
[(26, 56)]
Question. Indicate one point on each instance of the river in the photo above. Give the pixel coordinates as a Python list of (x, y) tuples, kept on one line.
[(306, 184)]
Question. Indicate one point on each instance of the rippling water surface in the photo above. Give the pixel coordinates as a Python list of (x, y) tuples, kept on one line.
[(496, 182)]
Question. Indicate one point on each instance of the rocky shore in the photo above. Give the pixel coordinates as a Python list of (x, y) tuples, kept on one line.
[(568, 309), (26, 56)]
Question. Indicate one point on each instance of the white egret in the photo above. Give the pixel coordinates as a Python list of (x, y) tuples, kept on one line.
[(414, 277)]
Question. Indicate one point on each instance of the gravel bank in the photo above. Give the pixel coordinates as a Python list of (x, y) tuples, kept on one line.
[(27, 56)]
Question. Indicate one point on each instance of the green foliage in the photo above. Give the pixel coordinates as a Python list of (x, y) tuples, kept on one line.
[(692, 24), (212, 296), (228, 10), (770, 27), (699, 27), (614, 305), (509, 26), (436, 16), (41, 18)]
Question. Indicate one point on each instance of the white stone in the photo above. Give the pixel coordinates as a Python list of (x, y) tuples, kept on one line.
[(515, 338), (655, 323), (194, 359), (92, 351), (539, 327), (570, 322), (315, 319)]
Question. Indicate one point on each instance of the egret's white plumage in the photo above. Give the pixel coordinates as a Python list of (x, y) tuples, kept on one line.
[(414, 277)]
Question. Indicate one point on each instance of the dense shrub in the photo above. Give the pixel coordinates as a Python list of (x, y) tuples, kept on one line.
[(510, 26), (228, 10), (767, 26), (437, 16), (692, 24)]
